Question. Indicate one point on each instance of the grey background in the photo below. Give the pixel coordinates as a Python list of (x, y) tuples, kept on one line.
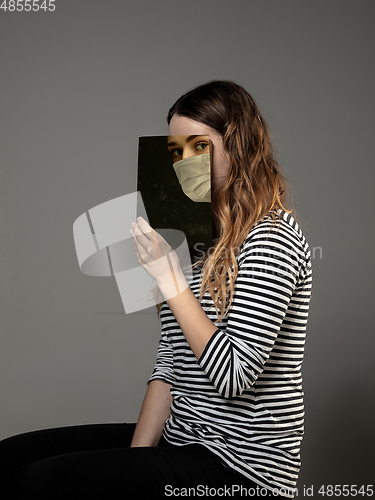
[(78, 87)]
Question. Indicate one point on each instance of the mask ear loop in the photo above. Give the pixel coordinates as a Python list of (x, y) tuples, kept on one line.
[(169, 261)]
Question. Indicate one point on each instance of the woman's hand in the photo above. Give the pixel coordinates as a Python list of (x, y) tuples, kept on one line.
[(158, 259)]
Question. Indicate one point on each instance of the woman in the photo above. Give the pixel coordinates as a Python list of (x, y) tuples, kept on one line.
[(223, 412)]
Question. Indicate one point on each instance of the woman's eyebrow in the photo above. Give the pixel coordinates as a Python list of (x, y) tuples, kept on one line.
[(190, 138)]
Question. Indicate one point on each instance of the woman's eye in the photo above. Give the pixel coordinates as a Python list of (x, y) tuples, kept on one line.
[(201, 145), (176, 153)]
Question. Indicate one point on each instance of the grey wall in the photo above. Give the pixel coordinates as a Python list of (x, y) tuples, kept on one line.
[(77, 88)]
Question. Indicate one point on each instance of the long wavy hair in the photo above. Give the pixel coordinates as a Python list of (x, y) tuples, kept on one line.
[(253, 187)]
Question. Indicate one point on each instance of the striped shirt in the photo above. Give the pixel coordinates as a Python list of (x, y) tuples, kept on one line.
[(243, 397)]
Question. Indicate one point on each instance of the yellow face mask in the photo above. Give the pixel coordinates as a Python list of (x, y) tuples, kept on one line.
[(194, 176)]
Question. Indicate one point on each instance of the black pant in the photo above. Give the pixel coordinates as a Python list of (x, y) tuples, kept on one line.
[(95, 461)]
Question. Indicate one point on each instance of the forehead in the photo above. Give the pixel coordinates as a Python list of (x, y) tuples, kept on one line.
[(181, 125)]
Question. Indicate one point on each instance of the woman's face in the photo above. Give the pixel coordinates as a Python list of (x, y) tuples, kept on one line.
[(183, 147)]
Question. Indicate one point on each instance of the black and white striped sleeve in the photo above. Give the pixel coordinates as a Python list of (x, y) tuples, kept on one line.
[(269, 268), (163, 369)]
